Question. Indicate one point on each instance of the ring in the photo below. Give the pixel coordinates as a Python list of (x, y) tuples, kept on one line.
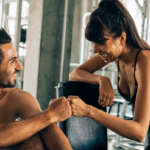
[(103, 100)]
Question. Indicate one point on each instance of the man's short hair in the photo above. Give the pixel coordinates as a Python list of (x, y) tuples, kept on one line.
[(4, 38)]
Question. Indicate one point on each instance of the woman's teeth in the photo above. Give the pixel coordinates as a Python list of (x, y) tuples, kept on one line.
[(105, 55)]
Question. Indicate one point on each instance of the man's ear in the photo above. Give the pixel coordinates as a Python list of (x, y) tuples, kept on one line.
[(123, 38)]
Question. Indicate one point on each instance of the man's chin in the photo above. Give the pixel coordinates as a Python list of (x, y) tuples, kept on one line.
[(10, 84), (13, 84)]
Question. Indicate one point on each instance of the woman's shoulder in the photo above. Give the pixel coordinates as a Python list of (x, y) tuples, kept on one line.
[(143, 56), (143, 59)]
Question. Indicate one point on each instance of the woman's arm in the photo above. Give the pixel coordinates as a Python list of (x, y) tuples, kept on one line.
[(136, 129), (129, 129), (84, 73)]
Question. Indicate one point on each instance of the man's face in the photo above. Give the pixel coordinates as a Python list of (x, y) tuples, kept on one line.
[(9, 66)]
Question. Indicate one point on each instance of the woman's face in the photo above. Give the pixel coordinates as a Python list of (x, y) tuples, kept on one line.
[(110, 50)]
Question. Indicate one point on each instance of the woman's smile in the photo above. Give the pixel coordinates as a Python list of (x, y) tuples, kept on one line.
[(104, 56)]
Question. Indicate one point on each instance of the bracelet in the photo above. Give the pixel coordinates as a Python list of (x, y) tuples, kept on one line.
[(88, 110)]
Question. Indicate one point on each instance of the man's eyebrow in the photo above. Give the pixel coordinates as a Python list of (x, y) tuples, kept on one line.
[(13, 58)]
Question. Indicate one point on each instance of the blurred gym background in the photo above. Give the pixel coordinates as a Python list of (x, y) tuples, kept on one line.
[(49, 38)]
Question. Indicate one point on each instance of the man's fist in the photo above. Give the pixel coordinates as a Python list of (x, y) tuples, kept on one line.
[(60, 109)]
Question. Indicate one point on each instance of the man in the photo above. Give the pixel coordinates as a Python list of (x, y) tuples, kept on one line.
[(36, 130)]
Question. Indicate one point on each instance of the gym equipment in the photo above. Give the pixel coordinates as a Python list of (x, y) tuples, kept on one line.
[(82, 132)]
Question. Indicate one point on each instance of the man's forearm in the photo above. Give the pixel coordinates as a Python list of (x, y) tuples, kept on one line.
[(54, 138), (16, 132)]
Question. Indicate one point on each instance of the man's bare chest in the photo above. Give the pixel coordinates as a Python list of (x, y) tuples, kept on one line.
[(7, 113)]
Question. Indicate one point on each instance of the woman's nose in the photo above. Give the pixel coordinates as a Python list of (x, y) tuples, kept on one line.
[(94, 47), (95, 50)]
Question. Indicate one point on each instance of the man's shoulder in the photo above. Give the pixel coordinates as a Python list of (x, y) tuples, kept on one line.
[(16, 93), (24, 103), (18, 97), (12, 91)]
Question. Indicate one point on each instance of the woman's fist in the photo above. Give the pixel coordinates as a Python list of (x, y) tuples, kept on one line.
[(106, 93), (78, 107)]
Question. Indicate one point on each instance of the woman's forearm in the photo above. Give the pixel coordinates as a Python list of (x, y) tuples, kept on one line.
[(128, 129), (84, 76)]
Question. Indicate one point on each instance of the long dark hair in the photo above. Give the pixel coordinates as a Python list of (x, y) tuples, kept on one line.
[(111, 15)]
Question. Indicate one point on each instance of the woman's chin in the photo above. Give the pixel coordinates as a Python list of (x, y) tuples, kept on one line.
[(106, 61)]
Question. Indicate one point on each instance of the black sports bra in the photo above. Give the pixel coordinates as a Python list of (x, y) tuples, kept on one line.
[(132, 100), (126, 97)]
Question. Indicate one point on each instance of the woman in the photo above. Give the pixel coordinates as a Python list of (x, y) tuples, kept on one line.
[(114, 37)]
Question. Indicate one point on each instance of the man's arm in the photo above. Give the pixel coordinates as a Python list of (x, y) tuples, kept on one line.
[(16, 132), (33, 120), (54, 138)]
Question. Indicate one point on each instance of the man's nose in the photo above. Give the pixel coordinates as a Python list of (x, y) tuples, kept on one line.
[(19, 66)]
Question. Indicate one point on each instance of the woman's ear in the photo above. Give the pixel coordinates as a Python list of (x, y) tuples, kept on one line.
[(123, 38)]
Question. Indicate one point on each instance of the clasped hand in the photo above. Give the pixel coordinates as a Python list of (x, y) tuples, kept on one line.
[(62, 108)]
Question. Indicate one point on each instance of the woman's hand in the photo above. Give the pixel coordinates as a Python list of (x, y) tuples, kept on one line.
[(106, 93), (78, 107)]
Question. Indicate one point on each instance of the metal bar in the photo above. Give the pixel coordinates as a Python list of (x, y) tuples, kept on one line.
[(63, 41), (144, 16), (147, 15), (140, 7), (7, 18), (94, 4), (118, 137), (17, 32), (82, 36), (56, 87), (18, 25), (2, 25)]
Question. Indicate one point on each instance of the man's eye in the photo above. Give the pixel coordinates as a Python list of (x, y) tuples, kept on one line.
[(13, 61)]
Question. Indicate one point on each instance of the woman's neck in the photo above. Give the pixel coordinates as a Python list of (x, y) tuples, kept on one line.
[(128, 55)]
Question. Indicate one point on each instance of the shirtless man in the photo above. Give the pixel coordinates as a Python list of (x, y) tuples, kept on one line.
[(36, 130)]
